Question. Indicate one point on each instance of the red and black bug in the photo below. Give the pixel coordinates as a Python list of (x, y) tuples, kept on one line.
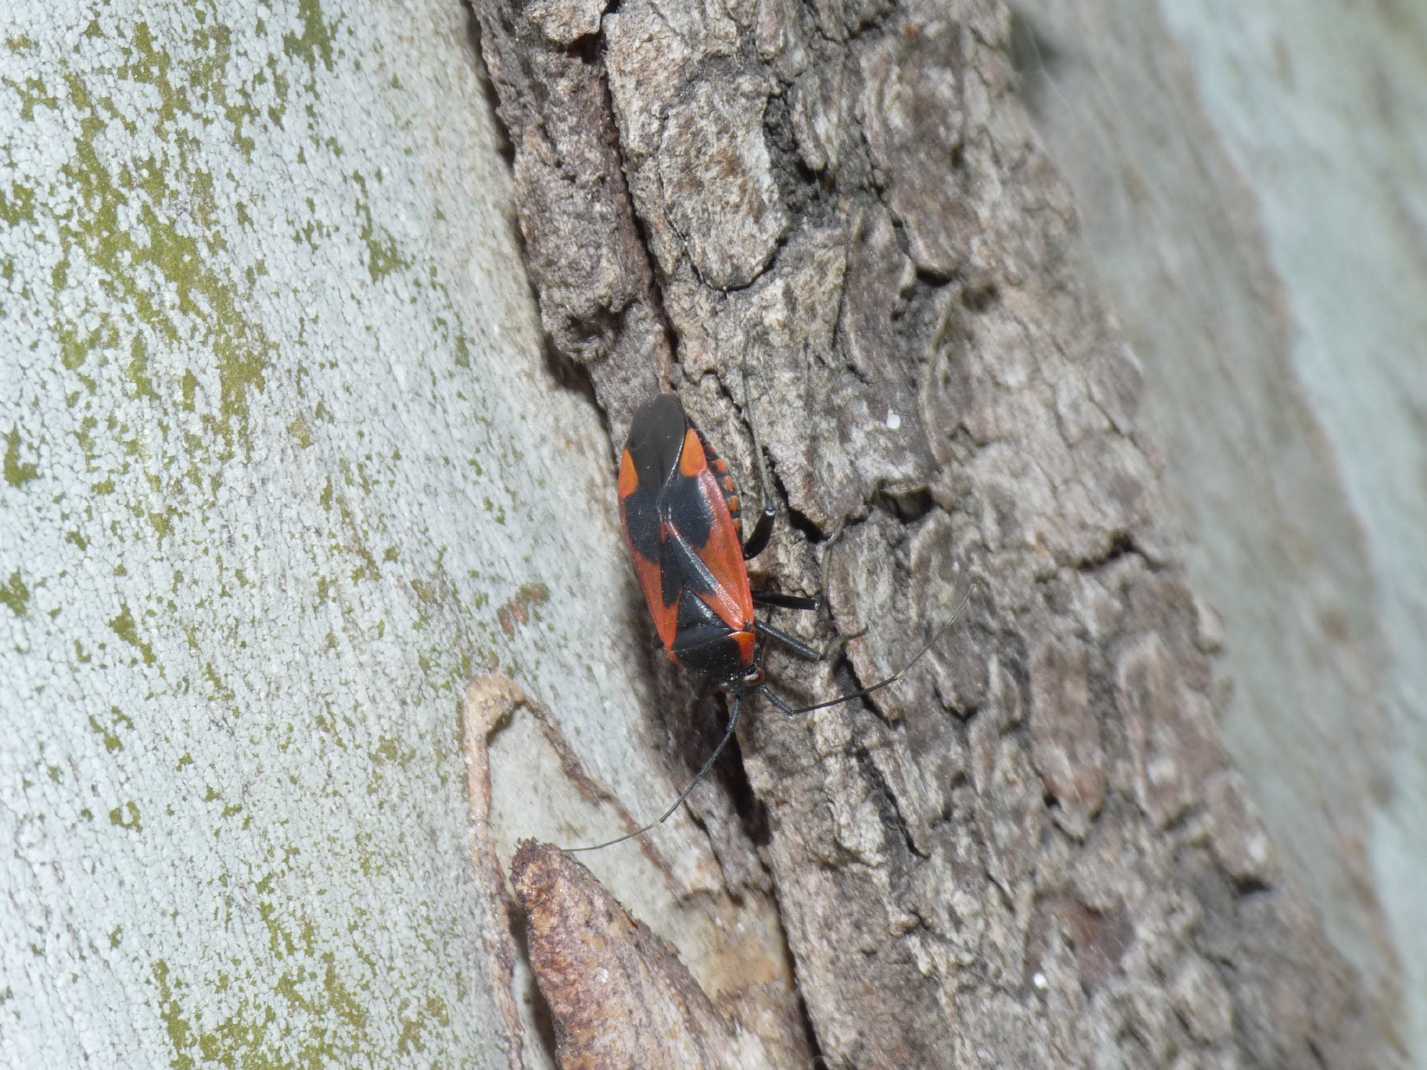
[(683, 522)]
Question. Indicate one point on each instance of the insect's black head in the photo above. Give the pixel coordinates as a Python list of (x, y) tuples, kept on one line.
[(656, 436)]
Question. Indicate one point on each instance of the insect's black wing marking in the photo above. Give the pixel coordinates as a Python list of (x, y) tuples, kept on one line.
[(687, 509), (705, 645), (656, 440), (641, 521), (682, 569)]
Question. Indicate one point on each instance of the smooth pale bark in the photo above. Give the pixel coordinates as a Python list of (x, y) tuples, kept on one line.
[(283, 467)]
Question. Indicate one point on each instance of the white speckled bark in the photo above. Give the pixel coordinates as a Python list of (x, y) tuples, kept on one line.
[(283, 466)]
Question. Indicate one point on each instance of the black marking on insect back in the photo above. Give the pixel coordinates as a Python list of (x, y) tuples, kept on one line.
[(641, 521), (706, 645), (656, 439), (687, 509), (682, 570), (715, 656), (694, 615)]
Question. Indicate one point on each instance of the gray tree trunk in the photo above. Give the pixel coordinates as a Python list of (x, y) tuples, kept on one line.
[(1032, 852), (286, 464)]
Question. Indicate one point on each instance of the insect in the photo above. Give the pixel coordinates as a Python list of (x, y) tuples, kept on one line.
[(683, 521)]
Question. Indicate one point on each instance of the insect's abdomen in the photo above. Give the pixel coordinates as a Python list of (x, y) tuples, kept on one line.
[(727, 486)]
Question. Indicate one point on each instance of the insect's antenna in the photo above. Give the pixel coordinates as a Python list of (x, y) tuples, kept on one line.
[(880, 684), (734, 707), (764, 499)]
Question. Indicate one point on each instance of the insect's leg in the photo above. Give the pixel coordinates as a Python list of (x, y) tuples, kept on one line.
[(782, 638), (763, 530), (786, 601), (757, 541), (734, 707), (791, 710), (778, 700)]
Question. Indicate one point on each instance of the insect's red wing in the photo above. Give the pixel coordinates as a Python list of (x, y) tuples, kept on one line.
[(722, 549), (651, 578)]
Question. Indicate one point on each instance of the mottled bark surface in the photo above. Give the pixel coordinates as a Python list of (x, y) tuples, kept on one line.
[(1033, 852), (1242, 294)]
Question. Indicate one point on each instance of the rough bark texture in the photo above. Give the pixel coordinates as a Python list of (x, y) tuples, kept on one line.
[(1033, 852), (619, 996), (1279, 325)]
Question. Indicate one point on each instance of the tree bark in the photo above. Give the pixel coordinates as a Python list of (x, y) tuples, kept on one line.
[(1033, 851), (1234, 287), (283, 466)]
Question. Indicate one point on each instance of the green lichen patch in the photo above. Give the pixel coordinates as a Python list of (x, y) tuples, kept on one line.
[(153, 66), (283, 940), (17, 472), (315, 41), (126, 816), (123, 626), (390, 750), (32, 93), (139, 369), (383, 257), (301, 432), (164, 198), (367, 568), (240, 1040), (162, 523), (110, 732), (313, 1019), (19, 206), (414, 1025), (14, 595), (189, 388)]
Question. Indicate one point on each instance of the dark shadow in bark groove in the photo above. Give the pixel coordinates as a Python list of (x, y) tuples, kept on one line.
[(539, 1010), (504, 145)]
